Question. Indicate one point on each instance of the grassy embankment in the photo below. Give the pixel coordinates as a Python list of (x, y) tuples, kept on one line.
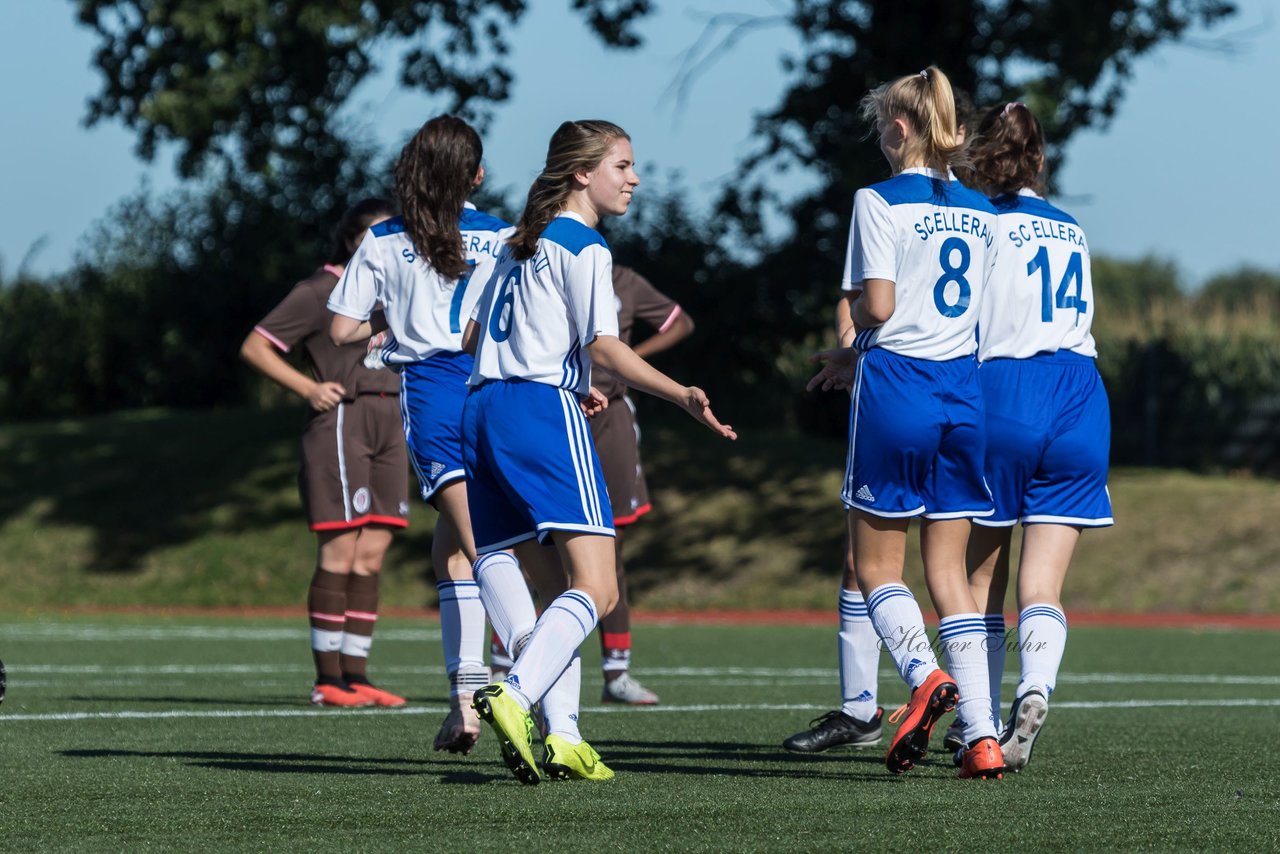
[(159, 508)]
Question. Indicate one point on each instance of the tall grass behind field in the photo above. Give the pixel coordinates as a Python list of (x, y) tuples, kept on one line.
[(1194, 384), (201, 509)]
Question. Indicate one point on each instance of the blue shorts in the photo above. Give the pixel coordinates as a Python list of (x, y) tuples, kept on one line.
[(531, 466), (1048, 440), (916, 439), (431, 395)]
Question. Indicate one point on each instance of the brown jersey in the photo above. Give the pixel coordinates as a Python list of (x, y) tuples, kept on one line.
[(302, 317), (635, 299)]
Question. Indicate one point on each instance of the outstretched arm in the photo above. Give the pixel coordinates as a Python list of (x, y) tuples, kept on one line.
[(611, 354)]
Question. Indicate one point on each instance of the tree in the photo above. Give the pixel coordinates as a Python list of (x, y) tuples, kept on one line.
[(251, 91), (1132, 288), (1247, 288), (258, 84), (1068, 59)]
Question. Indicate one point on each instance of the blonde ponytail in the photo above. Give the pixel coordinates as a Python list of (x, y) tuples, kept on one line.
[(926, 102)]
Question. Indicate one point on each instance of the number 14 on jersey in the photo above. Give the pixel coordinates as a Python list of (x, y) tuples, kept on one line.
[(1061, 298)]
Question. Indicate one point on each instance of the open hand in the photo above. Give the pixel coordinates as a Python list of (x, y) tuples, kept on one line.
[(837, 370), (697, 405)]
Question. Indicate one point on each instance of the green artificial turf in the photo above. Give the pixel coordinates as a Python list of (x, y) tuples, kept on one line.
[(133, 733)]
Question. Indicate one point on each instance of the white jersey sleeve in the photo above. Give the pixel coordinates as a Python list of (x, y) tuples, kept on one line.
[(589, 294), (872, 252), (359, 288)]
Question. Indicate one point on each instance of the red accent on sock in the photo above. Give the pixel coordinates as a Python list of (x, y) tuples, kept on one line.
[(619, 521), (616, 640)]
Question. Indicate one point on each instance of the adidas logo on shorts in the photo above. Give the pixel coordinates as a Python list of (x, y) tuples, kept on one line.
[(864, 494)]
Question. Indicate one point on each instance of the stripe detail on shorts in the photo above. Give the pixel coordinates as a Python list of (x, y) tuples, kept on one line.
[(342, 465), (580, 449)]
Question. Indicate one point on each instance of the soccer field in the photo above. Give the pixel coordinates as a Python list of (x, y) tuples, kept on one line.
[(120, 733)]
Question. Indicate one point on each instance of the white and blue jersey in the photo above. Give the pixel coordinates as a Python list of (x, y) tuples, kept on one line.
[(1048, 419), (531, 465), (538, 315), (1040, 299), (916, 425), (426, 311), (426, 314), (935, 240)]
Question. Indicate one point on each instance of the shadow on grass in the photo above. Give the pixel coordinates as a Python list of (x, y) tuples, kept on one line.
[(636, 762), (298, 763), (702, 758), (141, 481)]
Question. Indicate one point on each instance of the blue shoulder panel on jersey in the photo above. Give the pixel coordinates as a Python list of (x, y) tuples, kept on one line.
[(1014, 203), (474, 220), (395, 225), (572, 235), (921, 189)]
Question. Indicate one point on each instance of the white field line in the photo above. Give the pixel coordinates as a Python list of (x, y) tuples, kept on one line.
[(740, 676), (98, 633), (633, 710)]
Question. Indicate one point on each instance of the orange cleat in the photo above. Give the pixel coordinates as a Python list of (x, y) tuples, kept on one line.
[(936, 696), (325, 694), (983, 760), (377, 696)]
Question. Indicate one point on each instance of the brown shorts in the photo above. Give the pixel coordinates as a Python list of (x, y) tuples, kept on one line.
[(617, 441), (355, 470)]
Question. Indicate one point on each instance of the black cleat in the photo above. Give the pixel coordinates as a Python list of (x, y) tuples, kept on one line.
[(2, 681), (836, 729), (953, 740)]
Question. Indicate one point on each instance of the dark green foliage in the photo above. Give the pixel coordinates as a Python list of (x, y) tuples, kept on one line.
[(1122, 287), (1245, 288)]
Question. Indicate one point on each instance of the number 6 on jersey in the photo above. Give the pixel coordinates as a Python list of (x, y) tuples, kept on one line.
[(500, 318)]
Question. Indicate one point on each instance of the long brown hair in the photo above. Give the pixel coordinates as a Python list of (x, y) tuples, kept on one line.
[(926, 102), (434, 175), (575, 147), (1009, 151)]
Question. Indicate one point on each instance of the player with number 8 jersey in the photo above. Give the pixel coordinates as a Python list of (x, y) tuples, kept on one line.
[(921, 249)]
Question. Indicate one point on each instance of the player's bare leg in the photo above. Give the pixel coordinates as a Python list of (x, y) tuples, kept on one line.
[(879, 547), (962, 634), (549, 668), (1042, 633), (988, 565), (462, 618)]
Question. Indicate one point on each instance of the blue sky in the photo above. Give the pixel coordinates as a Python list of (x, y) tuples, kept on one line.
[(1183, 172)]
